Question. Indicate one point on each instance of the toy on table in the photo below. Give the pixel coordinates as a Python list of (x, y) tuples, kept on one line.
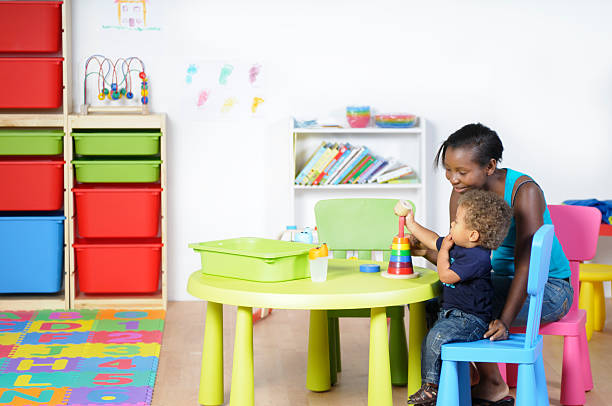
[(400, 263), (115, 83)]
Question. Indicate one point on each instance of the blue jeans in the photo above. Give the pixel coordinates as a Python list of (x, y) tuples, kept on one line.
[(453, 325), (558, 298)]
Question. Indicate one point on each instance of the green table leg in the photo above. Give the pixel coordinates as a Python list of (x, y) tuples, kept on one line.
[(211, 377), (415, 340), (243, 389), (317, 370), (379, 377)]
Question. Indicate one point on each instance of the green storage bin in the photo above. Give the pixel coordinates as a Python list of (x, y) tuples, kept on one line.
[(116, 142), (255, 259), (31, 142), (117, 171)]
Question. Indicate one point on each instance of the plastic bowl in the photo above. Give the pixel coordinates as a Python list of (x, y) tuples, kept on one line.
[(358, 110), (358, 121)]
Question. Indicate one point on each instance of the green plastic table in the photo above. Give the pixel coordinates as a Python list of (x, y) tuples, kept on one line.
[(345, 288)]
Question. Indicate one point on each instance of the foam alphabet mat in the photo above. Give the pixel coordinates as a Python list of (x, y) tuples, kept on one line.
[(79, 357)]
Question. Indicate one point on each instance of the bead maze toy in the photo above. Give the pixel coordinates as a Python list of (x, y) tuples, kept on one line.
[(115, 79), (400, 263)]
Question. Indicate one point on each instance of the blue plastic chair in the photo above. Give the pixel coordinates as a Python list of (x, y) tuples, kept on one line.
[(523, 349)]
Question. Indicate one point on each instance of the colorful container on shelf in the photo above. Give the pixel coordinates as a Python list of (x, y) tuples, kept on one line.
[(116, 142), (30, 26), (31, 83), (33, 183), (127, 211), (31, 142), (118, 266), (255, 259), (117, 171), (358, 116), (31, 254), (395, 120)]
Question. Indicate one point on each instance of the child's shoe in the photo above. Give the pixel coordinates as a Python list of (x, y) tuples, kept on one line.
[(425, 396)]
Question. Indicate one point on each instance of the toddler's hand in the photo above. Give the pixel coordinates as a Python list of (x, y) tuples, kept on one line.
[(447, 243)]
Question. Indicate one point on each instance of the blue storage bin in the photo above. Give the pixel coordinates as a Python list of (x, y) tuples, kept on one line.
[(31, 254)]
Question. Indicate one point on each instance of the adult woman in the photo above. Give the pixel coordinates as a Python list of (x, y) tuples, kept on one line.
[(470, 157)]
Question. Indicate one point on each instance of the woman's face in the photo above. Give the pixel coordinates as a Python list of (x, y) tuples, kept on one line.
[(463, 171)]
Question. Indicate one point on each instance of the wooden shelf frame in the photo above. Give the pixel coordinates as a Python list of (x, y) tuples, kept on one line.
[(156, 300), (49, 119)]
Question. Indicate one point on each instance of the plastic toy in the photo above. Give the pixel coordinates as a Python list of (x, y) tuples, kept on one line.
[(115, 81), (400, 263)]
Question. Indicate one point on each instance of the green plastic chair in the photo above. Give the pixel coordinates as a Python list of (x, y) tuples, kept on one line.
[(362, 225)]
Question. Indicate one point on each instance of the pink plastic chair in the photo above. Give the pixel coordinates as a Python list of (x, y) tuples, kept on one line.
[(577, 228)]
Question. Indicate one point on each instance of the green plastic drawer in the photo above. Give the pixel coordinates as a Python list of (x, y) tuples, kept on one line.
[(117, 171), (31, 142), (255, 259), (116, 142)]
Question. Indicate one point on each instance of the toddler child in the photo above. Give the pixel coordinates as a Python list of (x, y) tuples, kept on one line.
[(464, 269)]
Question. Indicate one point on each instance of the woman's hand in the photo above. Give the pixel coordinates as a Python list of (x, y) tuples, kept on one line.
[(417, 249), (497, 331)]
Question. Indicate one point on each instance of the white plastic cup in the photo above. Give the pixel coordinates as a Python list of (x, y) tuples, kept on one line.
[(318, 269)]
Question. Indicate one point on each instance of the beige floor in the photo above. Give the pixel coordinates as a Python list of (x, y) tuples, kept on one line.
[(280, 343)]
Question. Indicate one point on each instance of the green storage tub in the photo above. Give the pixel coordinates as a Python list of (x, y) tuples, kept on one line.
[(117, 171), (116, 142), (31, 142), (255, 259)]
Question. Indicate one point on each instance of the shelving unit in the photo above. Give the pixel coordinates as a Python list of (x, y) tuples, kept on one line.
[(407, 145), (53, 119), (80, 300), (62, 118)]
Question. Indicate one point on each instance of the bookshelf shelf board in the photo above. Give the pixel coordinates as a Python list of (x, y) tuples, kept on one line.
[(361, 187), (368, 130)]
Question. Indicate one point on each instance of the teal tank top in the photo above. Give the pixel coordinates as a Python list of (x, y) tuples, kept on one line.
[(502, 259)]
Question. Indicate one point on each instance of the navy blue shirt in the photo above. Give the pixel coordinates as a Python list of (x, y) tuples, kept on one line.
[(474, 292)]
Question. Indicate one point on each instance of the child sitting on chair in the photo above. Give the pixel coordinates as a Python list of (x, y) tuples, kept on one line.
[(464, 268)]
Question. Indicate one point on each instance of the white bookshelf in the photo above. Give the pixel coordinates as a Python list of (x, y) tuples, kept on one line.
[(407, 145)]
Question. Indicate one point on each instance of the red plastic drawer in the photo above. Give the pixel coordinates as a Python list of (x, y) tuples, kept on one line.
[(30, 83), (31, 184), (30, 26), (121, 266), (117, 211)]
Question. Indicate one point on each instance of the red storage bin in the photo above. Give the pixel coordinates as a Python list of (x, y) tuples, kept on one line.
[(31, 184), (30, 26), (31, 83), (120, 266), (117, 211)]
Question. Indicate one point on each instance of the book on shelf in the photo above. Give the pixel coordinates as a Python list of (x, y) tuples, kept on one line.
[(394, 174), (352, 172), (350, 165), (406, 179), (365, 175), (319, 165), (325, 171), (310, 162), (386, 166), (339, 162), (342, 162), (369, 159)]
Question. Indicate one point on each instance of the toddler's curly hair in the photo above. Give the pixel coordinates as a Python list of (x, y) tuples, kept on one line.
[(488, 214)]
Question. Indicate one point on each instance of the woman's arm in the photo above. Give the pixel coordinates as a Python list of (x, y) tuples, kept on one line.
[(529, 207)]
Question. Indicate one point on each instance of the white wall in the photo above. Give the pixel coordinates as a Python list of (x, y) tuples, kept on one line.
[(539, 73)]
